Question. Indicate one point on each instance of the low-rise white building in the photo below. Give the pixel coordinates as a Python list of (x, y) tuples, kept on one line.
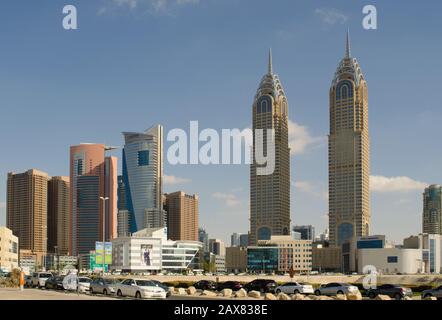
[(148, 250), (418, 254)]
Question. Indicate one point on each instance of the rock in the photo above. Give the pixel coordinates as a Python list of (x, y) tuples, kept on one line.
[(308, 298), (283, 296), (208, 293), (324, 298), (408, 298), (241, 293), (382, 297), (269, 296), (354, 296), (172, 289), (299, 296), (226, 292), (181, 291), (191, 291), (430, 298), (254, 294), (341, 297)]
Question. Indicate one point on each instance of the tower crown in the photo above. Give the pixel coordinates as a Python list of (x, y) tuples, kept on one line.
[(348, 68), (270, 83)]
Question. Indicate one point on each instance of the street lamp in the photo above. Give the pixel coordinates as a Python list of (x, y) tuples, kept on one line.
[(104, 230)]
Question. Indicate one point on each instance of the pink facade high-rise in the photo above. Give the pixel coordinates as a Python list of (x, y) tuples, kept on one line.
[(92, 175)]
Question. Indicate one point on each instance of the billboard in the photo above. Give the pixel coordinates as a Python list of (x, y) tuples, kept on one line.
[(99, 253), (146, 255)]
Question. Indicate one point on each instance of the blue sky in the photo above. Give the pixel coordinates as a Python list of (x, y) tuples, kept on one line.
[(134, 63)]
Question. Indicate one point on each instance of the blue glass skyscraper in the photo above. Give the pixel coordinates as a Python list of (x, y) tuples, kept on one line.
[(142, 179)]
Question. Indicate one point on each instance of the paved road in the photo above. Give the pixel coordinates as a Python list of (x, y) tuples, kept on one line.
[(42, 294)]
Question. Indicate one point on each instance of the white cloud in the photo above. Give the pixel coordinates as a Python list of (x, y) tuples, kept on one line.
[(230, 199), (395, 184), (310, 188), (331, 16), (173, 180), (300, 138), (151, 5)]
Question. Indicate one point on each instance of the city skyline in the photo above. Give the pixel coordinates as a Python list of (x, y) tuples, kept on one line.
[(384, 55)]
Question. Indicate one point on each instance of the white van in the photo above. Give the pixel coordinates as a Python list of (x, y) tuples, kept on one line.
[(39, 279)]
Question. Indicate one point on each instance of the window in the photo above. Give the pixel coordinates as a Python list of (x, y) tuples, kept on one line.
[(392, 259), (143, 158), (264, 233)]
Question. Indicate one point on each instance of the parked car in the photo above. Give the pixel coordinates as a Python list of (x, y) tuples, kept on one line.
[(391, 290), (161, 285), (104, 286), (140, 288), (54, 282), (84, 284), (39, 279), (206, 285), (436, 292), (334, 288), (234, 285), (261, 285), (295, 287)]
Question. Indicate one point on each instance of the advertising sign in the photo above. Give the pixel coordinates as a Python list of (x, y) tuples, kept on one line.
[(99, 253)]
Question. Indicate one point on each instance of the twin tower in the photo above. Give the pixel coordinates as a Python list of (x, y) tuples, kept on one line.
[(348, 160)]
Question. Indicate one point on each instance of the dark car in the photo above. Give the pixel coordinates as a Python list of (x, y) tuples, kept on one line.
[(206, 285), (234, 285), (166, 288), (54, 282), (391, 290), (436, 292), (261, 285)]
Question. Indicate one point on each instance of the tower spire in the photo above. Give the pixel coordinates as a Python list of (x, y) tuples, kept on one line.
[(270, 67), (347, 45)]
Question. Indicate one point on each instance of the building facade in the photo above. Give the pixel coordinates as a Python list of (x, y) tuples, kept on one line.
[(307, 232), (182, 216), (349, 148), (142, 179), (432, 213), (217, 247), (148, 250), (326, 259), (58, 215), (270, 192), (93, 175), (8, 250), (236, 259), (26, 209), (280, 254)]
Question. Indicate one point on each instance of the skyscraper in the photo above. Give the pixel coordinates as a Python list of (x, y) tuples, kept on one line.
[(432, 213), (234, 239), (58, 215), (182, 216), (349, 148), (203, 237), (26, 213), (270, 194), (92, 175), (143, 179)]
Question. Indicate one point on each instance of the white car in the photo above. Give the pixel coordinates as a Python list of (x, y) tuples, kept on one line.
[(39, 279), (140, 288), (334, 288), (84, 284), (294, 288)]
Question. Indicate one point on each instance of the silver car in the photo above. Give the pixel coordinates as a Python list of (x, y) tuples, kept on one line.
[(104, 286), (437, 292), (335, 288)]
